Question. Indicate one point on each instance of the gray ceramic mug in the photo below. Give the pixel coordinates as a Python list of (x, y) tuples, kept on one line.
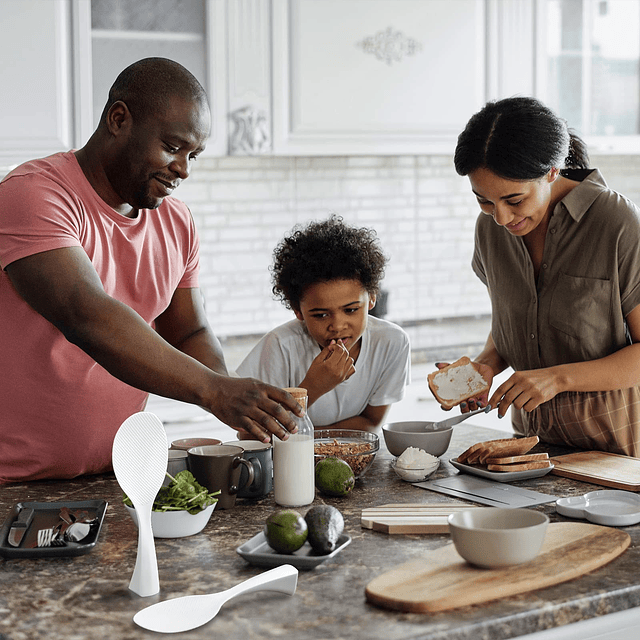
[(217, 467), (178, 461), (260, 455)]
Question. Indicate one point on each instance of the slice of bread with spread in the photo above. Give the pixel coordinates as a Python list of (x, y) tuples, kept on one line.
[(457, 382)]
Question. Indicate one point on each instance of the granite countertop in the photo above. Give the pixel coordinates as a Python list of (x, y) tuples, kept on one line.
[(87, 596)]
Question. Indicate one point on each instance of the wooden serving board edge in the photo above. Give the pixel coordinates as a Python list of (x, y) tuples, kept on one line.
[(617, 543), (594, 479)]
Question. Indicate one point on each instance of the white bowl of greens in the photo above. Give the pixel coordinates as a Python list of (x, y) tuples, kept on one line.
[(181, 509)]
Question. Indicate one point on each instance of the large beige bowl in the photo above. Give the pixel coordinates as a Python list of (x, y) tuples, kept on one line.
[(423, 435), (492, 537)]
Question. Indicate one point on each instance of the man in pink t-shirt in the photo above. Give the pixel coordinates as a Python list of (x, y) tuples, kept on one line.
[(99, 302)]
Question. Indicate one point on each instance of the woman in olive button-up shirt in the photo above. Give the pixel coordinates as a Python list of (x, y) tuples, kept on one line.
[(560, 255)]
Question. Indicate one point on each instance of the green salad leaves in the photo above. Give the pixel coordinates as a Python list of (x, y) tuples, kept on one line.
[(183, 494)]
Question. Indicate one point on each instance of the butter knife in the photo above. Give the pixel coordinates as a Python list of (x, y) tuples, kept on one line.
[(20, 526)]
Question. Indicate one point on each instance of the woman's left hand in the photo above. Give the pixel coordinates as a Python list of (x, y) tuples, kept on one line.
[(526, 390)]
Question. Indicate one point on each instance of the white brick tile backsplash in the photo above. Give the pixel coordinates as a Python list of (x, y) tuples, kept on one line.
[(423, 211)]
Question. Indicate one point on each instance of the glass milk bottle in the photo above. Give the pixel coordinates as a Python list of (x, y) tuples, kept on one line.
[(293, 461)]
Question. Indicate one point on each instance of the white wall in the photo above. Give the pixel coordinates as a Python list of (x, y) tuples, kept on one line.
[(423, 211)]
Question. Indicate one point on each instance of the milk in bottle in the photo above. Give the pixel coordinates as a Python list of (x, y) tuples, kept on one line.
[(293, 462)]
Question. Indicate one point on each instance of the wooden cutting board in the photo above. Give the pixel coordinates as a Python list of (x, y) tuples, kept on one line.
[(410, 518), (442, 580), (598, 467)]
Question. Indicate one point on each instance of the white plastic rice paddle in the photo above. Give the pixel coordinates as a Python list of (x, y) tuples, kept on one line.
[(139, 455), (190, 612)]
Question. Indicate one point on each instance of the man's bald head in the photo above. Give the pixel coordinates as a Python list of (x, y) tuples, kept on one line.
[(148, 85)]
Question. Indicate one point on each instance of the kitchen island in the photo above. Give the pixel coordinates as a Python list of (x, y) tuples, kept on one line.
[(87, 597)]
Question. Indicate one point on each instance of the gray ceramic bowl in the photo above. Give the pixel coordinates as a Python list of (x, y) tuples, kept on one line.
[(491, 537), (422, 435)]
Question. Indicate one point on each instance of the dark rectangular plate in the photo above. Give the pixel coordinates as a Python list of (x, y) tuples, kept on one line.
[(46, 515)]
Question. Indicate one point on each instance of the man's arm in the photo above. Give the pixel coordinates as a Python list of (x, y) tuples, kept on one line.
[(184, 325), (64, 288)]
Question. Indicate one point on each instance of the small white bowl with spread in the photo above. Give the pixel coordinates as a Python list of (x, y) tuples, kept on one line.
[(414, 465)]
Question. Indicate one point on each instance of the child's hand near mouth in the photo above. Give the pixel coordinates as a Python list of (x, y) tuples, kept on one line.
[(331, 366)]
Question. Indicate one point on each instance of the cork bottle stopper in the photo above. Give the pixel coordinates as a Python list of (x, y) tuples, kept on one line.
[(297, 392)]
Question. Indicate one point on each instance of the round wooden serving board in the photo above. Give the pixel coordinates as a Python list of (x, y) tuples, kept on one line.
[(442, 580)]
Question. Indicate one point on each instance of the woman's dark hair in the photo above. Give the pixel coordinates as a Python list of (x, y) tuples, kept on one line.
[(325, 251), (518, 139)]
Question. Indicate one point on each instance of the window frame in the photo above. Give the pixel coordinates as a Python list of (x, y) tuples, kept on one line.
[(606, 145)]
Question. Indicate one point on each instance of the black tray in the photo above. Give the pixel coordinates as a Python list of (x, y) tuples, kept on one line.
[(46, 515)]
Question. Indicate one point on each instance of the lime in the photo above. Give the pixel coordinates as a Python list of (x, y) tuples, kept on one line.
[(334, 477), (285, 531)]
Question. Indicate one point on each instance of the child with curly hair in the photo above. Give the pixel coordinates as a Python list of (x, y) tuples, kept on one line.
[(353, 365)]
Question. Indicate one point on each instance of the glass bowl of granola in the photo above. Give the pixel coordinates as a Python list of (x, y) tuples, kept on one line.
[(356, 448)]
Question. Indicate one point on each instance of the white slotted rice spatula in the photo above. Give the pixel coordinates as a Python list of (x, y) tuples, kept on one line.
[(139, 455), (190, 612)]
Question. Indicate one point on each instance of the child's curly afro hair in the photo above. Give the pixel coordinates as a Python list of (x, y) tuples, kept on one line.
[(324, 251)]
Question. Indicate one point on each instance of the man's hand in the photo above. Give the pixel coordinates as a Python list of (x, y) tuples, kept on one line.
[(329, 368), (256, 410)]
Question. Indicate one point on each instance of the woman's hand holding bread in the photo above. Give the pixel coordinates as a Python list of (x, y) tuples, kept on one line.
[(467, 384), (464, 383)]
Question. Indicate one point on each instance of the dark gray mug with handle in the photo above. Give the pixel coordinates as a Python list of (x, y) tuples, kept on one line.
[(260, 455), (217, 467)]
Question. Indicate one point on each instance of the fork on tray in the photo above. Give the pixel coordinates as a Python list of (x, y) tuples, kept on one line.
[(50, 538)]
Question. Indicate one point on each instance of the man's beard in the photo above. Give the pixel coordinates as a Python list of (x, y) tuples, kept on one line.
[(143, 198)]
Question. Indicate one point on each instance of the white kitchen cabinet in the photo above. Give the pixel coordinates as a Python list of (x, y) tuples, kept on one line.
[(191, 32), (55, 80), (36, 114), (375, 76), (284, 77), (331, 77)]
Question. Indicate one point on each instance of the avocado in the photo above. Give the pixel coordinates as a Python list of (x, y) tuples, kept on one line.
[(325, 524), (285, 531), (334, 477)]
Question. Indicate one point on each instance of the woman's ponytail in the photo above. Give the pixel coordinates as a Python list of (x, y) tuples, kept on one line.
[(578, 157)]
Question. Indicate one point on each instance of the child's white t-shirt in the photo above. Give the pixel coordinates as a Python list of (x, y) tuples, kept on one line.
[(383, 369)]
